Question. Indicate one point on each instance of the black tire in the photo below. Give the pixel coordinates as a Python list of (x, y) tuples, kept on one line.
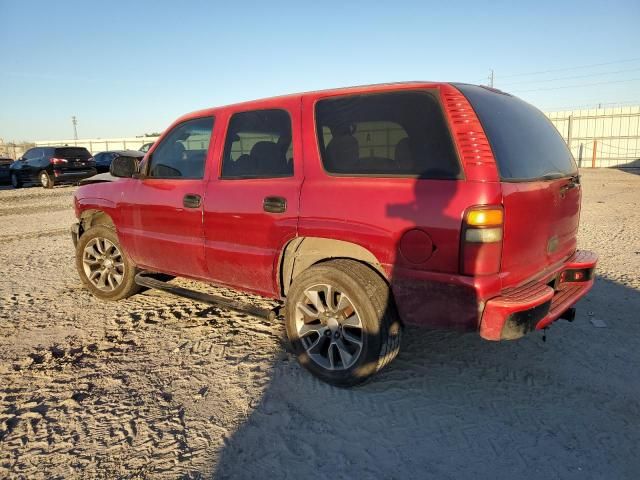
[(45, 179), (371, 299), (97, 235), (15, 181)]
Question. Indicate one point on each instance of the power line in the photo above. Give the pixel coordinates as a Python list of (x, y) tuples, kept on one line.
[(575, 76), (540, 72), (576, 86)]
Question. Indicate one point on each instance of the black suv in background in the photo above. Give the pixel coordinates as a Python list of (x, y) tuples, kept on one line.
[(49, 166), (103, 159)]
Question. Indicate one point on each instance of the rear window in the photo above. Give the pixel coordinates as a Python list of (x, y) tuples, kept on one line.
[(389, 134), (525, 143), (72, 152)]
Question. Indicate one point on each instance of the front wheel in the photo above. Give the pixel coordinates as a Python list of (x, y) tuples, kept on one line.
[(15, 182), (45, 179), (342, 322), (103, 265)]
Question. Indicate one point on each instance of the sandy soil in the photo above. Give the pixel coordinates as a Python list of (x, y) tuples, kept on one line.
[(161, 387)]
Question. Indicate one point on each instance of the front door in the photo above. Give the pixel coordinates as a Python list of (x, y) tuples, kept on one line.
[(162, 210), (252, 200)]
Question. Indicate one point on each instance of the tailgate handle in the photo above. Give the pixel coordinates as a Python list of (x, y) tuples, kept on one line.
[(191, 200), (274, 205), (573, 183)]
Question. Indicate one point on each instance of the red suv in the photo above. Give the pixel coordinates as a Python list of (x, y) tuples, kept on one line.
[(361, 209)]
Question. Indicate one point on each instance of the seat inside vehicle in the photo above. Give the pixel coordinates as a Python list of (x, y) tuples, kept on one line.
[(268, 157)]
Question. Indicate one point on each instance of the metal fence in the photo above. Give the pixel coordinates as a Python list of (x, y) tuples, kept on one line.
[(603, 137), (599, 137), (95, 145)]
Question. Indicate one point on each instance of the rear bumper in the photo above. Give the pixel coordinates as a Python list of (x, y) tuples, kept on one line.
[(534, 306), (62, 176)]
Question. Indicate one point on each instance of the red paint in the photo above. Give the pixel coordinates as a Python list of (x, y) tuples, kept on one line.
[(412, 227)]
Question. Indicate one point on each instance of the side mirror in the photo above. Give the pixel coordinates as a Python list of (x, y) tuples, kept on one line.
[(124, 167)]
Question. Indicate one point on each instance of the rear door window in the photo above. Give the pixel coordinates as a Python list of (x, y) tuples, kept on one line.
[(389, 134), (525, 143), (258, 145)]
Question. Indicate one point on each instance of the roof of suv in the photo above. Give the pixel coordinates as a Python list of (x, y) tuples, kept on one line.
[(327, 92)]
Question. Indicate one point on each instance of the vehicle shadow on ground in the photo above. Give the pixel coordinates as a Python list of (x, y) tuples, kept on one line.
[(455, 406)]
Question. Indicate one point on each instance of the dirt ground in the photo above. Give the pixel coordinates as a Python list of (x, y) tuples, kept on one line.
[(161, 387)]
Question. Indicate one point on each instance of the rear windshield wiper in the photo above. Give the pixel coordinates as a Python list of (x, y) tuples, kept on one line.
[(553, 175)]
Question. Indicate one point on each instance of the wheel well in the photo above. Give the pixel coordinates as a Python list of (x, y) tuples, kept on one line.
[(303, 252), (90, 218)]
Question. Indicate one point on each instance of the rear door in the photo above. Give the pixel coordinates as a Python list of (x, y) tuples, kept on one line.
[(161, 220), (539, 179), (251, 206)]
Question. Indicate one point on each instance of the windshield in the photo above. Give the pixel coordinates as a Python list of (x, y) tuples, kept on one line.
[(525, 143)]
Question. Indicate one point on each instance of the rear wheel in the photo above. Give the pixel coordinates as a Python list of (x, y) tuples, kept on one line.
[(103, 265), (15, 181), (342, 322), (45, 179)]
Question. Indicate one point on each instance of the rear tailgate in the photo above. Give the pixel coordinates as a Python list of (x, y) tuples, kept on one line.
[(539, 179), (541, 226), (77, 158)]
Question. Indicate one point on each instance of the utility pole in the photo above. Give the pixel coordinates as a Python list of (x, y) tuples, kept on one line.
[(491, 78), (74, 121)]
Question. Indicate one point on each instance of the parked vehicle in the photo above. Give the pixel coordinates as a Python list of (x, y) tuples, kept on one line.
[(49, 166), (145, 148), (103, 159), (361, 209), (5, 163)]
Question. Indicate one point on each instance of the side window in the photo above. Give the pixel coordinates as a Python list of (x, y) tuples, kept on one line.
[(389, 134), (33, 154), (258, 145), (183, 151)]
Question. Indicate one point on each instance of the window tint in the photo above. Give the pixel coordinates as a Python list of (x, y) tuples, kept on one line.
[(525, 143), (31, 154), (71, 152), (258, 145), (400, 133), (183, 151)]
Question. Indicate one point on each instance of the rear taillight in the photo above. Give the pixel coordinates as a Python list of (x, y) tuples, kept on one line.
[(481, 242), (58, 161)]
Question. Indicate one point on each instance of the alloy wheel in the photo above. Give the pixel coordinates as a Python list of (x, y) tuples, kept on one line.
[(44, 179), (103, 264), (329, 327)]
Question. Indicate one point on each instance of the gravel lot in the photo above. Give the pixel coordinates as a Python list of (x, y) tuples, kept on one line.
[(161, 387)]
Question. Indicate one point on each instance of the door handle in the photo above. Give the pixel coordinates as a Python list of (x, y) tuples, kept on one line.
[(191, 200), (274, 204)]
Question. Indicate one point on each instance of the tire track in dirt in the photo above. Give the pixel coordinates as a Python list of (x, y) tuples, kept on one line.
[(162, 387)]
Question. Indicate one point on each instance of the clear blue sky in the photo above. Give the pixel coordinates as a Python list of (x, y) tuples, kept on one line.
[(129, 67)]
